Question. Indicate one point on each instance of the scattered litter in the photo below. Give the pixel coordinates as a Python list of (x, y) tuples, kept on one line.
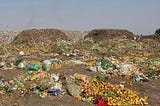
[(39, 63), (21, 53), (114, 94), (46, 65), (138, 78), (34, 67), (77, 62)]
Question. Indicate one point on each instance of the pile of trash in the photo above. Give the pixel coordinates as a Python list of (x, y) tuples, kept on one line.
[(6, 36), (107, 34), (50, 64), (75, 35), (94, 90), (112, 65), (37, 36), (38, 82)]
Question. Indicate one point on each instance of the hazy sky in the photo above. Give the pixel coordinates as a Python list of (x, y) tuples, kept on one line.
[(138, 16)]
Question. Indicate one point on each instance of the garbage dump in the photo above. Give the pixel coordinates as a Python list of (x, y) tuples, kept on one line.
[(120, 70)]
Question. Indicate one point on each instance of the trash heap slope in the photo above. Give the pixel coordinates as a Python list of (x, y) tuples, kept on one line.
[(36, 36), (76, 34), (6, 36), (106, 34)]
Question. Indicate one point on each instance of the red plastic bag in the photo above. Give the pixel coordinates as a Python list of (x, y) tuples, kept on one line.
[(101, 101)]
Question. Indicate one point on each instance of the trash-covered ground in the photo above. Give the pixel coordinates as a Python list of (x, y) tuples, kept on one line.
[(59, 71)]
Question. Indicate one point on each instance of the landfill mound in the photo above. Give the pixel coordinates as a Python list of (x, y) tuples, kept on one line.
[(6, 36), (75, 35), (149, 37), (106, 34), (113, 70), (36, 36)]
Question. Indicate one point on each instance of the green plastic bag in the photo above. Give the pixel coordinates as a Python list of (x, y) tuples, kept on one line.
[(57, 61), (104, 63), (34, 67)]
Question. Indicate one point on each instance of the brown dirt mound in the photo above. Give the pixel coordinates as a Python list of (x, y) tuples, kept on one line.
[(35, 36), (106, 34)]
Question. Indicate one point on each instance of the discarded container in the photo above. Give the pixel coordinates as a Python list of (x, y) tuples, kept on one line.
[(55, 77), (46, 65), (138, 79), (22, 64), (33, 67)]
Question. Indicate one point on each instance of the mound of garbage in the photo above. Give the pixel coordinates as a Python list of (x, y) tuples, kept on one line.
[(50, 67), (149, 37), (106, 34), (36, 36), (75, 35), (6, 36)]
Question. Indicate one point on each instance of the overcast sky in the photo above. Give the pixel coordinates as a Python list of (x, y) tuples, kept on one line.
[(138, 16)]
